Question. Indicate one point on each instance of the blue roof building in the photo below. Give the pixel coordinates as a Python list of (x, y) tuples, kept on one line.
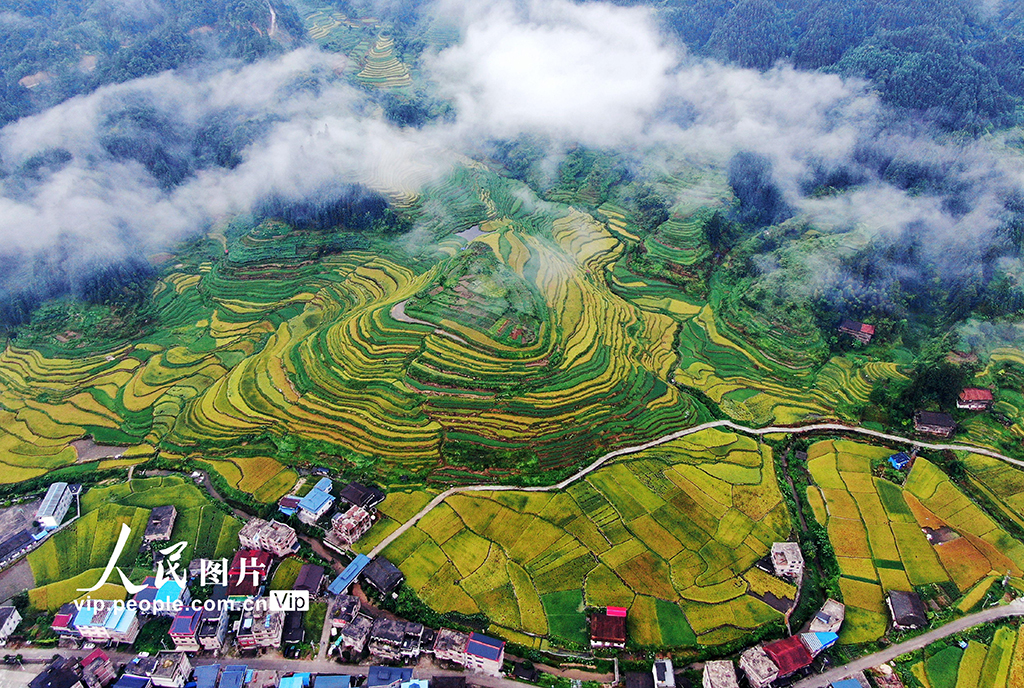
[(315, 504), (379, 676), (899, 461), (349, 575), (324, 484), (233, 676), (846, 683), (206, 676), (290, 682), (161, 601), (816, 642), (332, 681), (485, 653)]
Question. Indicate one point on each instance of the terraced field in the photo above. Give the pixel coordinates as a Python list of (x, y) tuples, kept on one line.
[(81, 551), (877, 540), (672, 533), (382, 68)]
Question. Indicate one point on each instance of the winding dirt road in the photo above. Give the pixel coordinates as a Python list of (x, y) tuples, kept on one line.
[(625, 451)]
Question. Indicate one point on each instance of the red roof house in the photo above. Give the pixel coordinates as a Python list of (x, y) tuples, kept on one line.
[(975, 399), (860, 331), (608, 628), (789, 654)]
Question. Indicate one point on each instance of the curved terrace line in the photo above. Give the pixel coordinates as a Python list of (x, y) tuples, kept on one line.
[(679, 434)]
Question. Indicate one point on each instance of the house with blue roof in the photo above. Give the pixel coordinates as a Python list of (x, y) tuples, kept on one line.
[(233, 676), (349, 575), (290, 682), (381, 676), (107, 620), (899, 461), (163, 600), (315, 504), (332, 681), (206, 676), (485, 654), (817, 642)]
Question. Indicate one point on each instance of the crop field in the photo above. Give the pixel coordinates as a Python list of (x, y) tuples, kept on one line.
[(983, 547), (662, 533), (261, 476), (978, 666), (86, 546), (877, 541), (381, 68)]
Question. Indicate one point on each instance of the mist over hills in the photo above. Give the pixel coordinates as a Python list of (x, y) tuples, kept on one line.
[(873, 120)]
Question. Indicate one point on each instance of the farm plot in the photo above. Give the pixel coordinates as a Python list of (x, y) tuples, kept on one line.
[(657, 532), (977, 666), (88, 544), (878, 543)]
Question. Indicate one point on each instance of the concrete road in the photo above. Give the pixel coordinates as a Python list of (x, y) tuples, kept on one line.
[(1015, 608)]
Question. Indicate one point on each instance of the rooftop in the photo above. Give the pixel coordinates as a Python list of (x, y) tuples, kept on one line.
[(942, 420), (361, 495), (348, 576), (608, 629), (720, 673), (309, 578), (976, 394), (484, 646), (54, 493), (383, 575), (161, 522), (315, 500), (789, 654), (385, 676), (206, 676)]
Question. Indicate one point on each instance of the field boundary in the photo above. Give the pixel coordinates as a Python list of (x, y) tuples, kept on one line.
[(671, 437)]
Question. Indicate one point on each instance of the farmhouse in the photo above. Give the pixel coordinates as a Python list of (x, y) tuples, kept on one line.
[(213, 628), (485, 654), (789, 655), (61, 672), (349, 526), (787, 560), (161, 601), (859, 331), (899, 461), (310, 578), (357, 494), (608, 628), (293, 631), (356, 633), (344, 611), (288, 505), (906, 609), (160, 524), (720, 673), (760, 670), (105, 620), (450, 646), (829, 618), (97, 669), (9, 620), (664, 674), (64, 621), (165, 669), (54, 505), (930, 423), (380, 676), (816, 643), (975, 399), (251, 564), (382, 575), (316, 503), (349, 575), (259, 627), (185, 628), (395, 640), (15, 545), (269, 536)]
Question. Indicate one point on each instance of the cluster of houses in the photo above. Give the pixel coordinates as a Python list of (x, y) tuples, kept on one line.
[(351, 520), (175, 670)]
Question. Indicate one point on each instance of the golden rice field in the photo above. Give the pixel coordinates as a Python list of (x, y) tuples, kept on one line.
[(672, 533)]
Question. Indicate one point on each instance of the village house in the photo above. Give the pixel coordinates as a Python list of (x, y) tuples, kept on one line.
[(829, 618), (395, 640), (608, 628), (450, 646), (9, 620), (382, 575), (344, 610), (259, 627), (381, 676), (758, 667), (165, 669), (356, 633), (788, 560), (269, 536), (213, 628), (107, 620), (160, 524), (97, 669), (316, 503), (975, 399), (900, 461), (55, 505), (310, 579), (816, 643), (349, 526), (357, 494), (859, 331), (789, 655), (163, 601), (664, 673), (720, 673), (247, 574), (185, 628), (906, 609), (485, 654), (931, 423), (60, 672), (15, 545), (344, 579), (64, 621)]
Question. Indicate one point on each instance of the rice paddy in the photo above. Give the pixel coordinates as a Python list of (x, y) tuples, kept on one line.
[(979, 665), (659, 532)]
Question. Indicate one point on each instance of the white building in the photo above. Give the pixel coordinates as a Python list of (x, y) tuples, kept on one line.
[(9, 620), (54, 506), (664, 674), (788, 560), (269, 536), (485, 654), (758, 667)]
